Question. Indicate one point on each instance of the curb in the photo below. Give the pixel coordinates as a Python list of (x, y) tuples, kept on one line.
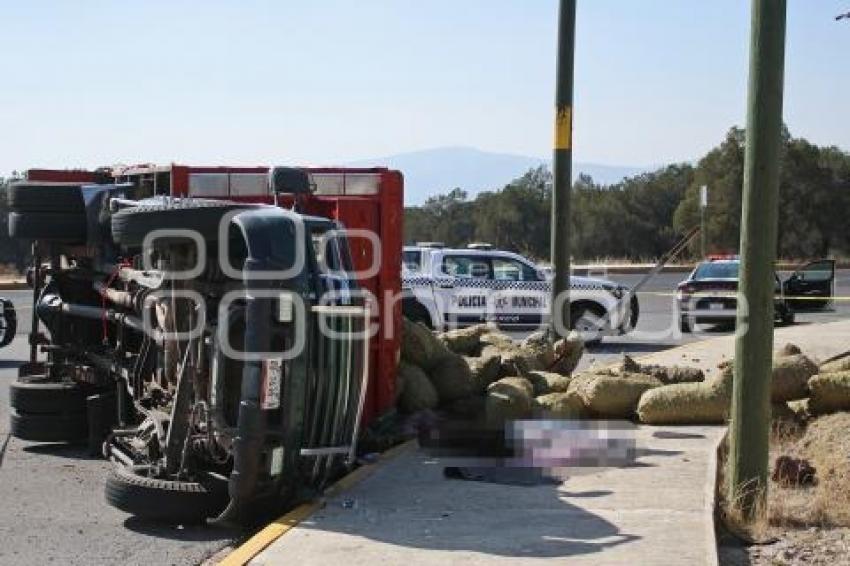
[(249, 550), (13, 285), (711, 491)]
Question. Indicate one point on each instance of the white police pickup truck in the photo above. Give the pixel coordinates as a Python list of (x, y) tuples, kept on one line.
[(449, 288)]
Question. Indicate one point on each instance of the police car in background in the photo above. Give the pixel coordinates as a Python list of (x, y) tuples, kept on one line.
[(710, 293), (450, 288)]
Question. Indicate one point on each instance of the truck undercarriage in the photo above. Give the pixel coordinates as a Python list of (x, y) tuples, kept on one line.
[(215, 351)]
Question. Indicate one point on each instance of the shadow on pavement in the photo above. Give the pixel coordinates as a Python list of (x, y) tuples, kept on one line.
[(674, 435), (629, 348), (550, 527), (185, 533), (70, 451)]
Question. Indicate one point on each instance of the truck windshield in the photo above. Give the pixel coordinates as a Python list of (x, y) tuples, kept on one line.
[(717, 270)]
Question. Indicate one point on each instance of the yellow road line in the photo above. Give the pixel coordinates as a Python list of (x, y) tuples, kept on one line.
[(282, 525)]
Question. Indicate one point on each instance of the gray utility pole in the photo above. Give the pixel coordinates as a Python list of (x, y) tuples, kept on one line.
[(562, 165), (748, 456)]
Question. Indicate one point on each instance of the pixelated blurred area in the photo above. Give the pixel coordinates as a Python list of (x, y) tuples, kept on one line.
[(529, 452)]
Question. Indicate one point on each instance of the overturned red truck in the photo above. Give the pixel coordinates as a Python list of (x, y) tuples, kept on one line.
[(220, 333)]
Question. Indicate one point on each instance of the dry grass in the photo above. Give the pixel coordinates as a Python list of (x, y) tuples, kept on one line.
[(826, 444)]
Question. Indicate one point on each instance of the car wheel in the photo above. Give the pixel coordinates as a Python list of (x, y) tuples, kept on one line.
[(415, 312), (787, 317), (685, 325), (133, 491), (589, 322)]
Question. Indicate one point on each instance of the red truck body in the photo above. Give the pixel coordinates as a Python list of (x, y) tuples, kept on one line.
[(360, 198)]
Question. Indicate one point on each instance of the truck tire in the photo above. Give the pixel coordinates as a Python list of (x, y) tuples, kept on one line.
[(49, 226), (8, 323), (128, 489), (36, 395), (59, 427), (131, 225), (46, 197)]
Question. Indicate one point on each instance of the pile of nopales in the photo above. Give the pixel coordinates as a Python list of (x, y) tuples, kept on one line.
[(480, 372), (799, 389)]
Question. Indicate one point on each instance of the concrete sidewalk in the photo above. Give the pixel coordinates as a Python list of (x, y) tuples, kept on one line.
[(659, 511)]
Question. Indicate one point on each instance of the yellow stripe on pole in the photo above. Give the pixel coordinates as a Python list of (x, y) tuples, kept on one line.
[(564, 128)]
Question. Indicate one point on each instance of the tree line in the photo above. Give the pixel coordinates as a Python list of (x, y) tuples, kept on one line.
[(641, 217)]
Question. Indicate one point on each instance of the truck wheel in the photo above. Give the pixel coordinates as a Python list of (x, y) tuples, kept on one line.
[(129, 489), (131, 225), (51, 226), (40, 197), (36, 395), (58, 427), (8, 323)]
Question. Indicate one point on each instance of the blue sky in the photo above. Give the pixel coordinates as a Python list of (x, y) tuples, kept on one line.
[(90, 83)]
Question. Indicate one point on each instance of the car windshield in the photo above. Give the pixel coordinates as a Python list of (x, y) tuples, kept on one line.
[(412, 260), (717, 270)]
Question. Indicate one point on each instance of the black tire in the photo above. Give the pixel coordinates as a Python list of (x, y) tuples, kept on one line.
[(41, 397), (61, 427), (129, 490), (50, 226), (685, 325), (787, 317), (46, 197), (584, 319), (131, 225), (8, 323)]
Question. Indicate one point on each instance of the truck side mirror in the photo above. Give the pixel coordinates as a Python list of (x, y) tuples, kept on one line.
[(290, 180)]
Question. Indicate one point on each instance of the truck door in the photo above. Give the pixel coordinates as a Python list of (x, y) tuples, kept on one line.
[(812, 287), (462, 289), (520, 293)]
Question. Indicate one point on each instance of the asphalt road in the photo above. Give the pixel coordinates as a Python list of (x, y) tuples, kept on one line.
[(53, 509), (658, 325)]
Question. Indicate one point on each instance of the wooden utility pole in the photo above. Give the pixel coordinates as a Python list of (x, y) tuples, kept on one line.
[(562, 168), (748, 456)]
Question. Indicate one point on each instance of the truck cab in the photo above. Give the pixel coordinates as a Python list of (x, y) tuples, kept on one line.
[(217, 351)]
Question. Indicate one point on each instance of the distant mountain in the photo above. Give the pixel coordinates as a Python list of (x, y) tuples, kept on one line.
[(436, 171)]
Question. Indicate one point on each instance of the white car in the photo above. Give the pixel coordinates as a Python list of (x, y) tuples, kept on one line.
[(450, 288)]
